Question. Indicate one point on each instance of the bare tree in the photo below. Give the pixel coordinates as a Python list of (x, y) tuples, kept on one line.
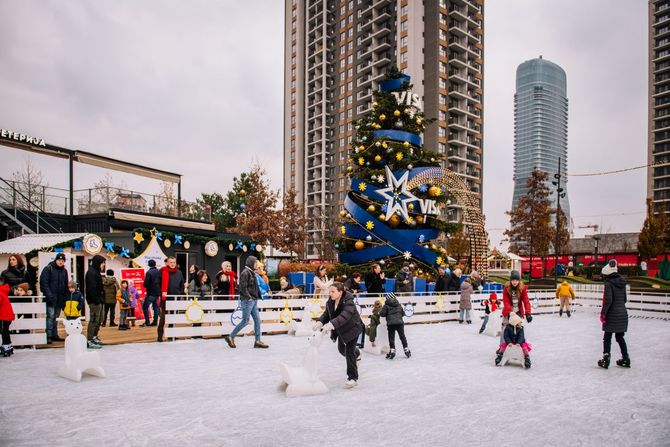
[(166, 199), (29, 182)]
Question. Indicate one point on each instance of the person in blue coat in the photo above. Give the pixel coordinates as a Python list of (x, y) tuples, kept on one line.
[(53, 285)]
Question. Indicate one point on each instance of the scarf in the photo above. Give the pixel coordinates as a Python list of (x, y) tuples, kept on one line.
[(165, 279), (232, 277)]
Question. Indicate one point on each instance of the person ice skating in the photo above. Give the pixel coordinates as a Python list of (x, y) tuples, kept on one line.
[(6, 318), (467, 289), (565, 293), (111, 286), (74, 302), (404, 281), (321, 282), (152, 286), (16, 273), (249, 296), (375, 280), (515, 299), (613, 315), (226, 280), (514, 335), (172, 283), (342, 318), (124, 299), (371, 330), (95, 297), (53, 285), (393, 312), (490, 305)]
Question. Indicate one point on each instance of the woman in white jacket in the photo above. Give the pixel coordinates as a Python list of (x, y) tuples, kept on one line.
[(322, 283)]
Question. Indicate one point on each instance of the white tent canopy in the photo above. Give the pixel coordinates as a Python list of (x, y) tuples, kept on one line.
[(29, 242)]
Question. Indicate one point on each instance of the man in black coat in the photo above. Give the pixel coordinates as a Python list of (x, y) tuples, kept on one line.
[(53, 285), (613, 315), (454, 282), (152, 285), (95, 297), (249, 296), (441, 280), (374, 280), (404, 282)]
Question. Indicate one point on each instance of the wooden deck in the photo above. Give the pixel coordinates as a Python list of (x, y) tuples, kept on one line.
[(113, 336)]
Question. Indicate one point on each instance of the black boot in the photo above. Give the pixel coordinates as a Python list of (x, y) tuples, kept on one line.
[(391, 354), (568, 312), (560, 312), (408, 353), (605, 361), (624, 362), (526, 361), (499, 358)]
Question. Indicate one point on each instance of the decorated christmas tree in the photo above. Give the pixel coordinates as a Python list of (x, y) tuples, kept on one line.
[(398, 188)]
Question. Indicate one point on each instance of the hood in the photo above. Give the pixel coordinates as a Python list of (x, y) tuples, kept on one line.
[(54, 265), (616, 280), (97, 261), (251, 262)]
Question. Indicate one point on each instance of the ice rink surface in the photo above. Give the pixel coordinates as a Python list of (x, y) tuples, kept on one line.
[(202, 393)]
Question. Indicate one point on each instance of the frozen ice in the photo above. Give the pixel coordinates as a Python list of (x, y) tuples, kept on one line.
[(202, 393)]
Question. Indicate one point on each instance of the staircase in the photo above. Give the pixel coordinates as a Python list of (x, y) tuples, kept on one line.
[(20, 215)]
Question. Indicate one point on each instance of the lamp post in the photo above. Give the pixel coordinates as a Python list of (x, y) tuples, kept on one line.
[(596, 238), (530, 254), (559, 194)]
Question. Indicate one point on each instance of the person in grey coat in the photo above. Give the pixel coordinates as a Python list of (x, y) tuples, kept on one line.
[(404, 282), (467, 289), (613, 315), (249, 295)]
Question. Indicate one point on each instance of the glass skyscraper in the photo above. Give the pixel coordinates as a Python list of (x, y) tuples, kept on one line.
[(540, 126)]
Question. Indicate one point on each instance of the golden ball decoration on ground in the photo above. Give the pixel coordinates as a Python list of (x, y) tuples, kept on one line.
[(378, 158), (371, 209), (396, 113), (382, 117), (359, 245), (394, 221), (434, 191)]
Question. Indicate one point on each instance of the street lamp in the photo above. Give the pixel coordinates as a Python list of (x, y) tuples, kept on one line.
[(596, 238), (530, 253), (560, 193)]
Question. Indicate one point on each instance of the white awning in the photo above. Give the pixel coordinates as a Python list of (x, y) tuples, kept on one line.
[(30, 242)]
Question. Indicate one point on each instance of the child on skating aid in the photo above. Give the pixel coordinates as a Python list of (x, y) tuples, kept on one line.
[(393, 312), (490, 305), (514, 335), (6, 318)]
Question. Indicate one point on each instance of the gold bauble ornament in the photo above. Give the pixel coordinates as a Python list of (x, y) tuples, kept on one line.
[(371, 209), (406, 144), (243, 192), (433, 247), (396, 113), (385, 145), (359, 245), (378, 158), (407, 111), (418, 121), (343, 213), (382, 117), (434, 191), (394, 221), (382, 217), (410, 206), (361, 148), (419, 220), (375, 104), (349, 169)]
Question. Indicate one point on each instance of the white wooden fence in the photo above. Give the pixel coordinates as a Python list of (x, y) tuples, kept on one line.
[(30, 320)]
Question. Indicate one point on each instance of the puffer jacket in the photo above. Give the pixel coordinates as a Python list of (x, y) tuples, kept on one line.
[(248, 285), (467, 290), (345, 318), (565, 290), (614, 304), (393, 312), (6, 311), (53, 284), (95, 291), (111, 286)]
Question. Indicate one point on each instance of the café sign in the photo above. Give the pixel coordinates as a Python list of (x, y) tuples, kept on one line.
[(21, 138)]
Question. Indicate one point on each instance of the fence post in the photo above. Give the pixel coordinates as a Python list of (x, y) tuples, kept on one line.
[(89, 200)]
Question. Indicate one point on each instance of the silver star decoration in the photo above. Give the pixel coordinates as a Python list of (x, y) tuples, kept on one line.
[(396, 195), (407, 255)]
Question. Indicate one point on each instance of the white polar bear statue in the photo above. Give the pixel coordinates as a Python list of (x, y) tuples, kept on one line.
[(303, 380), (381, 342), (513, 354), (302, 328), (494, 325), (78, 360)]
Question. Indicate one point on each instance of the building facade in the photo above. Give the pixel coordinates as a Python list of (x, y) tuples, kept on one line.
[(336, 52), (658, 145), (540, 126)]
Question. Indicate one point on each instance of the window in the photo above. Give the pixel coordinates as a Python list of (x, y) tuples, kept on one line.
[(341, 142), (343, 23), (350, 59), (350, 99), (343, 49), (403, 42), (293, 131), (443, 116), (292, 108), (292, 143), (443, 99), (403, 57), (350, 46), (350, 33), (443, 35), (404, 10), (442, 148), (350, 85), (443, 51), (443, 67), (443, 83), (403, 25), (342, 76), (442, 132)]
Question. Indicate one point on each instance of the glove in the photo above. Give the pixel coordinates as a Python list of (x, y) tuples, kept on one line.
[(602, 319), (318, 325), (328, 327), (529, 318)]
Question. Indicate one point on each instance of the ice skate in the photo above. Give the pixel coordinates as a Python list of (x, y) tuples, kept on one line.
[(6, 350), (526, 361), (624, 362), (350, 383), (499, 357), (391, 354), (605, 361), (408, 353)]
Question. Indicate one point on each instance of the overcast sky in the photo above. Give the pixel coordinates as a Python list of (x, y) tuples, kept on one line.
[(196, 88)]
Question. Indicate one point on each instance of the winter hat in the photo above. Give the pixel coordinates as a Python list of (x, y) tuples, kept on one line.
[(515, 275), (390, 295), (60, 256), (514, 319), (110, 272), (610, 268), (152, 263)]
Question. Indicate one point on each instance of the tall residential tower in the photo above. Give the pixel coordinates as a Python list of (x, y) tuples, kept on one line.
[(540, 126), (336, 52)]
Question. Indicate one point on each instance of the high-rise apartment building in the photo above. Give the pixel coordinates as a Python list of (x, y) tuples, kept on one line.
[(336, 52), (540, 126), (658, 143)]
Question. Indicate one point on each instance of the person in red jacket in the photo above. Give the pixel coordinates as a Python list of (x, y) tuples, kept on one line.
[(515, 299), (6, 318)]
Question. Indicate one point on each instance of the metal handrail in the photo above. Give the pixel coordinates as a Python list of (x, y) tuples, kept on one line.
[(38, 208)]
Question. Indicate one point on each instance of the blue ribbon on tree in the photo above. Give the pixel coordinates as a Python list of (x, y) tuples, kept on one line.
[(393, 84), (398, 135)]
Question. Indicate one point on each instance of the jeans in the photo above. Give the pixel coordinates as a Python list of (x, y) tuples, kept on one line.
[(607, 343), (250, 307), (467, 315), (122, 317), (111, 309), (150, 301), (400, 328), (350, 352), (52, 324), (484, 323), (161, 320), (94, 321), (4, 330)]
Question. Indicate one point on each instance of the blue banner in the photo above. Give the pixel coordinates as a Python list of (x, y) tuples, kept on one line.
[(393, 84), (398, 135)]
